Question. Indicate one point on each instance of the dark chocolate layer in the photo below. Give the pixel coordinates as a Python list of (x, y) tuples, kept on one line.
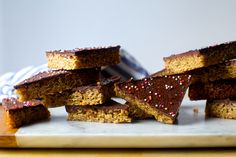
[(215, 90), (13, 103), (105, 82), (219, 47), (223, 101), (201, 72), (164, 94), (109, 105), (85, 51)]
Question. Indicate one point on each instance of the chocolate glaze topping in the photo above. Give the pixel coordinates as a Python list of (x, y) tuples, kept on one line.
[(105, 82), (50, 74), (164, 94), (208, 49), (109, 105), (13, 104), (85, 51)]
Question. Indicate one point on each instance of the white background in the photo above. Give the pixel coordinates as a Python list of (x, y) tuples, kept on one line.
[(148, 29)]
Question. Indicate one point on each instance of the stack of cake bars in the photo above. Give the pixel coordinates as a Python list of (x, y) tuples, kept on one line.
[(74, 81), (213, 71)]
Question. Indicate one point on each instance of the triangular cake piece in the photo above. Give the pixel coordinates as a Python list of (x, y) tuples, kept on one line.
[(157, 96)]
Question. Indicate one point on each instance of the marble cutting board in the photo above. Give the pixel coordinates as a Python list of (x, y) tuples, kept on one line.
[(192, 130)]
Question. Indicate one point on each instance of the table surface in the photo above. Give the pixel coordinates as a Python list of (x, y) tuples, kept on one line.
[(16, 152), (192, 130), (208, 152)]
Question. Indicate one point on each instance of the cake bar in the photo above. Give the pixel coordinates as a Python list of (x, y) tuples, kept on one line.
[(216, 90), (221, 108), (52, 81), (92, 94), (157, 96), (81, 58), (109, 112), (22, 113), (226, 70), (205, 57)]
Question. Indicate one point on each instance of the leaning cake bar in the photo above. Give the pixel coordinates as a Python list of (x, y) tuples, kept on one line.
[(157, 96), (226, 70), (23, 113), (205, 57), (221, 108), (216, 90), (52, 81), (92, 94), (109, 112), (81, 58)]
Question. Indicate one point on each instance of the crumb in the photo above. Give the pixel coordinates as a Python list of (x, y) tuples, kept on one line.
[(195, 110)]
